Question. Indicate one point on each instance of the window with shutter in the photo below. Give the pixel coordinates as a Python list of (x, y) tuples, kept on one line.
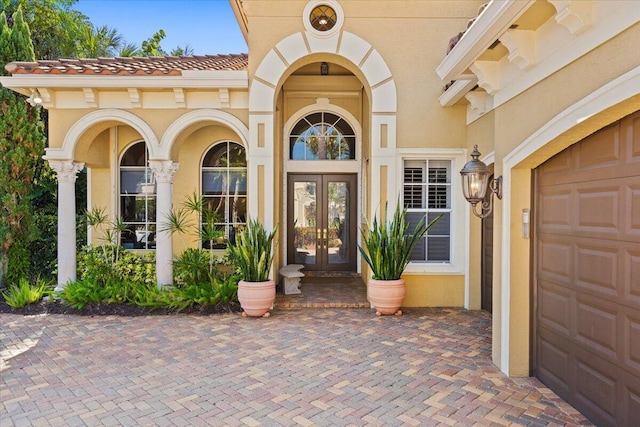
[(427, 192)]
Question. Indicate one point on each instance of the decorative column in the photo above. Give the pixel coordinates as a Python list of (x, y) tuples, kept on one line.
[(66, 171), (163, 171)]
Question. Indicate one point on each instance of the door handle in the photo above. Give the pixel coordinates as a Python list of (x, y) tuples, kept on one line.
[(318, 237), (325, 238)]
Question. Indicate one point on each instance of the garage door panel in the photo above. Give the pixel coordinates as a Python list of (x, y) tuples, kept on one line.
[(555, 308), (631, 344), (631, 407), (632, 276), (597, 209), (597, 326), (555, 367), (554, 169), (600, 150), (595, 385), (558, 208), (554, 260), (597, 269), (632, 211), (632, 137)]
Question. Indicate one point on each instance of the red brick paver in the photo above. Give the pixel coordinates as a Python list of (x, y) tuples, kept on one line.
[(308, 367)]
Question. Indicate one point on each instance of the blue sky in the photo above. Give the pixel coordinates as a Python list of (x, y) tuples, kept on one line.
[(208, 26)]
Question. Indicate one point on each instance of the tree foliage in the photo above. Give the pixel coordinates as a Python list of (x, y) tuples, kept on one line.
[(151, 46), (30, 30), (22, 143), (55, 26), (97, 42)]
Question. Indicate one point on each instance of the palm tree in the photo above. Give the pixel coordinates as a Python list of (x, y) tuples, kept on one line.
[(129, 50), (96, 42), (187, 50)]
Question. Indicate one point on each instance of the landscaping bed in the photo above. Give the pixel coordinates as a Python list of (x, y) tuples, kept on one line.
[(105, 309)]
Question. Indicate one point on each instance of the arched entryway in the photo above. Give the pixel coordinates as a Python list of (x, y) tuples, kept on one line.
[(322, 152)]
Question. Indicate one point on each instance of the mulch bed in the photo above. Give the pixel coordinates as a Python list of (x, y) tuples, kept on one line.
[(103, 309)]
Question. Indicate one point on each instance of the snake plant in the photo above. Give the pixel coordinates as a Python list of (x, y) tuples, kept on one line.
[(387, 246), (253, 252)]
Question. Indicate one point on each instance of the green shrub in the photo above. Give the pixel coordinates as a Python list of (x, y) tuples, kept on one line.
[(192, 267), (99, 264), (218, 290), (24, 293), (82, 292), (137, 268)]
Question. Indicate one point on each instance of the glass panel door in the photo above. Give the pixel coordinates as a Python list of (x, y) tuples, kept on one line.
[(321, 227), (303, 220)]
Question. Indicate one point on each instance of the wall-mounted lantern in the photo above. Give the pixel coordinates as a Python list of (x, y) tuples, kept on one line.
[(35, 98), (475, 183)]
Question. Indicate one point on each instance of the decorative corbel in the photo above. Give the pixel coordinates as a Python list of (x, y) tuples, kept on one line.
[(134, 97), (575, 15), (223, 93), (488, 75), (480, 102), (522, 47), (46, 95), (90, 97), (178, 93)]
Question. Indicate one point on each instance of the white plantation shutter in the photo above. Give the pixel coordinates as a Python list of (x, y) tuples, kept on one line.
[(427, 191)]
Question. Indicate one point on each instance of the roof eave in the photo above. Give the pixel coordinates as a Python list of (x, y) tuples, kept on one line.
[(241, 17), (206, 79)]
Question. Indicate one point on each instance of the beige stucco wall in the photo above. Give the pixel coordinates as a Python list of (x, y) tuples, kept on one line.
[(512, 123), (434, 291), (409, 37), (414, 33)]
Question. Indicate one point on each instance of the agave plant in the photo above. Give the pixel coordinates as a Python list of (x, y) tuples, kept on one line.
[(387, 247), (253, 252)]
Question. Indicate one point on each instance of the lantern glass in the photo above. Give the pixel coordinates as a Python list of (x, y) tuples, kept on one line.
[(474, 186)]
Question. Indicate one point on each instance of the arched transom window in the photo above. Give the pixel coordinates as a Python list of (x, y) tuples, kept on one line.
[(137, 199), (322, 136), (224, 188)]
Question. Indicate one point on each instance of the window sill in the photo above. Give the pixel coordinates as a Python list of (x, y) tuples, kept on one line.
[(416, 268)]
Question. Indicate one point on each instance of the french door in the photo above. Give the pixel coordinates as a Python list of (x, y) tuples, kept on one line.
[(322, 221)]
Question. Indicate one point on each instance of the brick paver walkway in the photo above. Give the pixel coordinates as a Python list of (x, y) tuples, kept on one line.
[(324, 367)]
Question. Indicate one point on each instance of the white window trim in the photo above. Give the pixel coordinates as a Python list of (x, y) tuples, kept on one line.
[(118, 187), (209, 168), (459, 221)]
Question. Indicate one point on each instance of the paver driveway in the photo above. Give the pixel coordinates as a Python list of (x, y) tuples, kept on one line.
[(325, 367)]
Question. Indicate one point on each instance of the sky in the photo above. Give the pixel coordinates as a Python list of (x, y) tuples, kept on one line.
[(208, 26)]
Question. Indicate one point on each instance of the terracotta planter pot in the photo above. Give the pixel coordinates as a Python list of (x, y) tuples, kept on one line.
[(256, 298), (386, 295)]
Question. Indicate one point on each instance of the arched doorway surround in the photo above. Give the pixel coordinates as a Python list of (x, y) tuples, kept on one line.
[(270, 74)]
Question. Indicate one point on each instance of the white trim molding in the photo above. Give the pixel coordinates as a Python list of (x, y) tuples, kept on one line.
[(205, 115), (76, 131)]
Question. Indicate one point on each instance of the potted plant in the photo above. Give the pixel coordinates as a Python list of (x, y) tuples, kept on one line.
[(387, 247), (252, 255)]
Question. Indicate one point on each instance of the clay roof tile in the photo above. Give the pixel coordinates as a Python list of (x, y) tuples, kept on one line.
[(156, 66)]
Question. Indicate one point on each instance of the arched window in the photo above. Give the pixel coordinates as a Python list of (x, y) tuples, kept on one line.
[(224, 187), (137, 199), (322, 136)]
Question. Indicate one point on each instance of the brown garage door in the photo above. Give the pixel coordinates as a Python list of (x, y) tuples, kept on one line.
[(587, 274)]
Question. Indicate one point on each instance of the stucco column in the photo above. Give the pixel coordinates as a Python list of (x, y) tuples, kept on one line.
[(66, 171), (163, 171)]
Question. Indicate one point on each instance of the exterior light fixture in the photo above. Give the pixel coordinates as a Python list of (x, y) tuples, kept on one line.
[(475, 183), (35, 98)]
